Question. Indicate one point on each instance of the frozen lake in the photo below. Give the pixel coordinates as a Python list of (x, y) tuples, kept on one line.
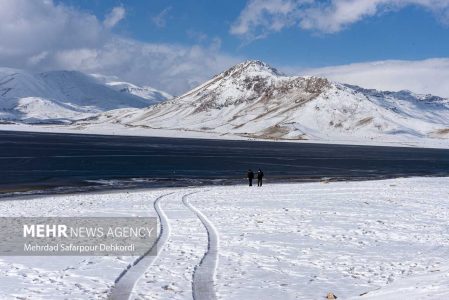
[(39, 160)]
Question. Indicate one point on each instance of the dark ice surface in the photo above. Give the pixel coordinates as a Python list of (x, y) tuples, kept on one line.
[(46, 162)]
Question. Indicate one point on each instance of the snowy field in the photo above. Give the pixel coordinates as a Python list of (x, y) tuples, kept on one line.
[(380, 239), (121, 130)]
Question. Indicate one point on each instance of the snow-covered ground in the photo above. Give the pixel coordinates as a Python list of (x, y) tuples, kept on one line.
[(384, 239), (119, 129)]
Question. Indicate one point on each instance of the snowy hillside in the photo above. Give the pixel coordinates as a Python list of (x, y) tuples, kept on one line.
[(61, 96), (254, 100), (146, 92)]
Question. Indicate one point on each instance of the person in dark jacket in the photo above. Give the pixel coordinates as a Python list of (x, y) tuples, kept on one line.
[(259, 177), (250, 177)]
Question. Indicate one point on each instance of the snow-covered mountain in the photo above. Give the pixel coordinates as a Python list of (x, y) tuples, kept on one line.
[(146, 92), (63, 96), (254, 100), (153, 95)]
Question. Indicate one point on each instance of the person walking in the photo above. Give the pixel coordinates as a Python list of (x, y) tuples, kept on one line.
[(250, 177), (259, 177)]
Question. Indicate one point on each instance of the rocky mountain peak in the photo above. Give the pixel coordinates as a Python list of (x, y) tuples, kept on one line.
[(252, 68)]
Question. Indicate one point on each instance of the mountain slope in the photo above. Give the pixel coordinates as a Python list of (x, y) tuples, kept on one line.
[(254, 100), (145, 92), (153, 95), (60, 96)]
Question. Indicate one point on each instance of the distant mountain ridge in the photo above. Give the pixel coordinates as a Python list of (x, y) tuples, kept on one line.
[(146, 92), (255, 100), (63, 96)]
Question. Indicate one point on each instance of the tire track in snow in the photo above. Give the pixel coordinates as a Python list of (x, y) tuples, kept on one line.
[(125, 282), (204, 273)]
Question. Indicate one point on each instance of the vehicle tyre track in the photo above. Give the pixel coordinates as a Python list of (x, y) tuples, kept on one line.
[(204, 273), (125, 282)]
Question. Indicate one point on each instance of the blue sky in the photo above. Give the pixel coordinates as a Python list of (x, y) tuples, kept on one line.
[(411, 33), (175, 45)]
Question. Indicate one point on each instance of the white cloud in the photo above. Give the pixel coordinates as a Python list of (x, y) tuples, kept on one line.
[(341, 13), (29, 28), (261, 17), (116, 15), (160, 20), (430, 76), (174, 68), (41, 35)]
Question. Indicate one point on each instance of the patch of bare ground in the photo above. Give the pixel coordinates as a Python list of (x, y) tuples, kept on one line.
[(443, 131), (336, 125), (364, 121), (440, 133), (276, 132), (300, 137), (239, 126)]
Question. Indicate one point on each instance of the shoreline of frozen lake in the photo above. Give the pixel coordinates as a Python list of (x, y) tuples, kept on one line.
[(121, 130)]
